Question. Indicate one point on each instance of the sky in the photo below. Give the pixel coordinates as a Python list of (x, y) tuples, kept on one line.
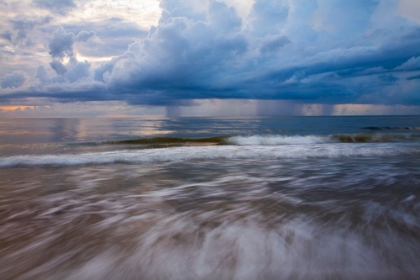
[(119, 58)]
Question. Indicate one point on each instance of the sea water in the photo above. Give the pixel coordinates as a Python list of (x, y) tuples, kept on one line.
[(210, 198)]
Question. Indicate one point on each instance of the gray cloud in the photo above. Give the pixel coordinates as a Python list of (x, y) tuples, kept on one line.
[(103, 69), (177, 61), (14, 80), (61, 44), (56, 6), (78, 70), (42, 74), (107, 38), (273, 44), (84, 35), (324, 52), (112, 28), (21, 26), (7, 35), (58, 67), (183, 54)]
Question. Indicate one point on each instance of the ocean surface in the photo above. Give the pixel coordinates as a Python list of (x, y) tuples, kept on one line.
[(210, 198)]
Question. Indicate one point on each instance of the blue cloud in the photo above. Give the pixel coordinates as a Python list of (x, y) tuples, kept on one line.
[(329, 52), (268, 16), (58, 67), (274, 44), (61, 44), (6, 35), (56, 6), (78, 70), (21, 26), (112, 36), (84, 35), (185, 59), (14, 80), (416, 77)]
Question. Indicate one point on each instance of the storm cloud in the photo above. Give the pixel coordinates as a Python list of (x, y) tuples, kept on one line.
[(324, 52), (192, 55)]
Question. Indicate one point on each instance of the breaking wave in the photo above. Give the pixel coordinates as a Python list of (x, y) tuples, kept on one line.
[(257, 140), (260, 140), (332, 150), (269, 140)]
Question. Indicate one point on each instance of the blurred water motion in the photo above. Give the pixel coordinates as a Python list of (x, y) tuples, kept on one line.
[(256, 207), (277, 219)]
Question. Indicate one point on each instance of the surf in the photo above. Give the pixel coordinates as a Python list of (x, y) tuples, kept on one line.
[(332, 150)]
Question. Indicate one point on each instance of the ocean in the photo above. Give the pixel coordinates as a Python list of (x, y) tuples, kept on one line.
[(210, 198)]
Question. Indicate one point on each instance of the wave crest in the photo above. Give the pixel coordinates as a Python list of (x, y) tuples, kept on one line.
[(272, 140), (276, 140), (211, 153)]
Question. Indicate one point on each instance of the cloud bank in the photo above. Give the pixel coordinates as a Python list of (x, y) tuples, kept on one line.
[(316, 52)]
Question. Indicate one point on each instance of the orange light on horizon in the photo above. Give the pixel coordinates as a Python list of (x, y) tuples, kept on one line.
[(11, 108)]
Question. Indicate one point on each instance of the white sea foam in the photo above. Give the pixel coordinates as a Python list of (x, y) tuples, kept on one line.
[(201, 220), (333, 150), (257, 140), (273, 140)]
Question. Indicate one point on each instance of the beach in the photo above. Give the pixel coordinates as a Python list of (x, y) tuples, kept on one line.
[(210, 198)]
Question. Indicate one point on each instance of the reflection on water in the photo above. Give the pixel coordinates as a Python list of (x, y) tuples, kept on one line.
[(21, 131), (46, 136), (41, 136), (66, 130), (215, 219), (24, 131)]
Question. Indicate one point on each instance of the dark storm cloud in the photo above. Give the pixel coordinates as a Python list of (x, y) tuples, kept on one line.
[(417, 77), (390, 78), (56, 6), (183, 54), (411, 64), (329, 52), (185, 67), (348, 64)]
